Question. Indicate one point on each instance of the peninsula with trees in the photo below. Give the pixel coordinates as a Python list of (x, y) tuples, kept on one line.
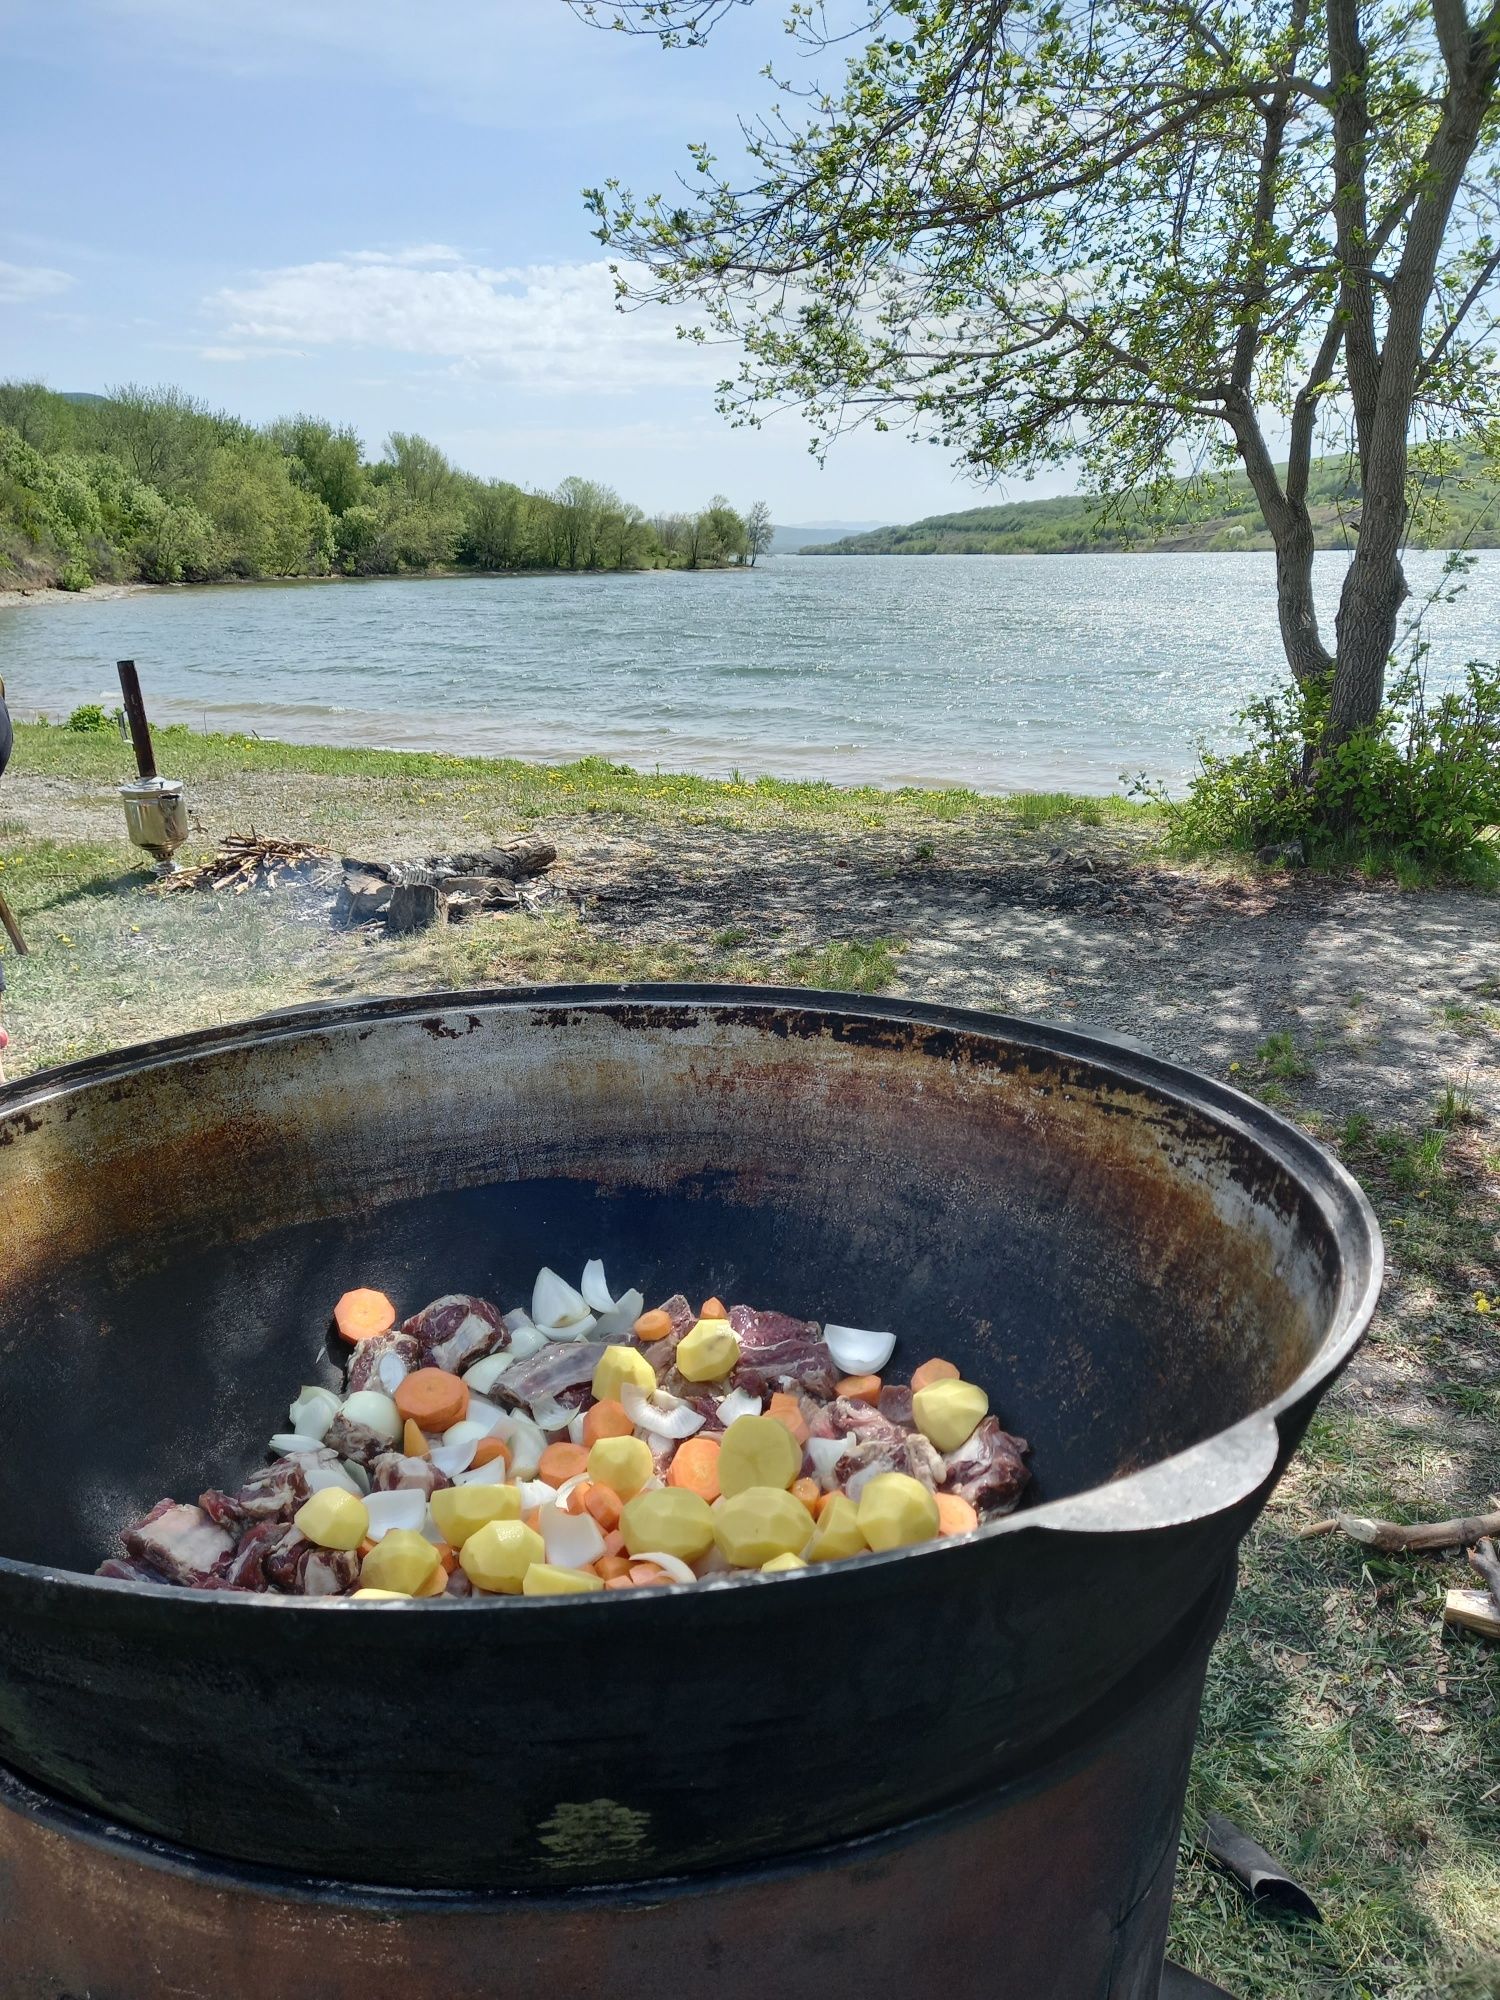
[(153, 486)]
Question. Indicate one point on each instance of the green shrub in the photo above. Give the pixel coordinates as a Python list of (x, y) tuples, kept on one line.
[(90, 720), (74, 575), (1418, 793)]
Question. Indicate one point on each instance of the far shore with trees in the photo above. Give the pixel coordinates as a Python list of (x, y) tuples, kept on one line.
[(152, 486)]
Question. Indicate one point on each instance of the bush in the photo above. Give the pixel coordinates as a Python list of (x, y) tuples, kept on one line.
[(1419, 791), (74, 575), (90, 720)]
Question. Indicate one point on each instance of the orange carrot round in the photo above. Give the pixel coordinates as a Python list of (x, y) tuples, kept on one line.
[(578, 1500), (489, 1449), (432, 1398), (413, 1443), (653, 1325), (648, 1573), (809, 1492), (608, 1566), (626, 1582), (787, 1410), (606, 1420), (934, 1371), (860, 1388), (361, 1314), (713, 1309), (605, 1505), (614, 1542), (562, 1461), (823, 1501), (695, 1465), (955, 1516)]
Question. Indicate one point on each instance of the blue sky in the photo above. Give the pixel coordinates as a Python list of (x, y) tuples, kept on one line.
[(371, 209)]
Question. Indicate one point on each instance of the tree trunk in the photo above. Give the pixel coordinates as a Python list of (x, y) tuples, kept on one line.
[(1295, 606)]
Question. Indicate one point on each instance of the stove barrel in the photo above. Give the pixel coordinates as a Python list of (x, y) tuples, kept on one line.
[(953, 1768)]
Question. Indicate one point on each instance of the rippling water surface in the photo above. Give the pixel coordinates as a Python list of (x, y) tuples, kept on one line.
[(1002, 672)]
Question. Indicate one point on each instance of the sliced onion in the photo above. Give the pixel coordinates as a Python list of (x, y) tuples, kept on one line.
[(856, 1483), (526, 1441), (740, 1403), (319, 1476), (715, 1563), (357, 1473), (858, 1352), (515, 1319), (526, 1341), (536, 1493), (483, 1376), (551, 1414), (405, 1508), (575, 1426), (593, 1290), (554, 1301), (313, 1411), (825, 1454), (482, 1411), (571, 1540), (452, 1459), (377, 1413), (567, 1330), (391, 1371), (571, 1486), (496, 1473), (288, 1444), (628, 1308), (663, 1415), (674, 1566)]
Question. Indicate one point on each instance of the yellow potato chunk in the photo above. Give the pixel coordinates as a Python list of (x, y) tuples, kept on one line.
[(708, 1351), (622, 1464), (759, 1524), (548, 1580), (461, 1511), (391, 1596), (948, 1413), (779, 1563), (403, 1560), (837, 1534), (895, 1509), (497, 1556), (617, 1366), (671, 1519), (757, 1451), (334, 1519)]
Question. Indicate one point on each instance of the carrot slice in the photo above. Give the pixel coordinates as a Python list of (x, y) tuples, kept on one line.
[(934, 1371), (489, 1449), (860, 1388), (605, 1506), (787, 1410), (955, 1516), (577, 1500), (823, 1501), (448, 1557), (614, 1542), (562, 1461), (713, 1309), (809, 1492), (626, 1582), (413, 1443), (608, 1566), (432, 1398), (365, 1547), (648, 1573), (695, 1465), (361, 1314), (653, 1325), (606, 1420)]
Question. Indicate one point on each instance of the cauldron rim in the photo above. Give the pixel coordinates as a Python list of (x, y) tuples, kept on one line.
[(1225, 1468)]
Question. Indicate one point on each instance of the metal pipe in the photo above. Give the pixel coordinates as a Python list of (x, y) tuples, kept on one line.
[(135, 715)]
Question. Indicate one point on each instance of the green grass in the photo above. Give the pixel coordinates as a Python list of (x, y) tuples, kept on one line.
[(525, 791)]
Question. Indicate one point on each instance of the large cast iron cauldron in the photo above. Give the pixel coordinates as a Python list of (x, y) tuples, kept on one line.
[(1155, 1277)]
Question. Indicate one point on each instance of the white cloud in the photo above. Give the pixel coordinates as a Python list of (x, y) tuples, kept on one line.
[(540, 326), (23, 284)]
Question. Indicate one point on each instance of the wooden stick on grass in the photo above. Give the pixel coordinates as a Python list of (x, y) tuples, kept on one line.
[(1394, 1538), (12, 928)]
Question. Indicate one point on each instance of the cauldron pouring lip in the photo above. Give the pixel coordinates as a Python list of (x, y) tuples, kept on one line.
[(1211, 1477)]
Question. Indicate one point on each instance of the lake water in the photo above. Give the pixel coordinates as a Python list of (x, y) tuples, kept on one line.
[(1001, 672)]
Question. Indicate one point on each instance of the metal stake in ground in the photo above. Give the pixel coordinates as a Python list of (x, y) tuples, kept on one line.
[(154, 810), (135, 715)]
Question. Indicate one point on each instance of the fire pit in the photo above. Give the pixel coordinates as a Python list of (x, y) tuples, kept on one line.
[(968, 1755)]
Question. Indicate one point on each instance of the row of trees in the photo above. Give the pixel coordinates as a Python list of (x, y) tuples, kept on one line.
[(151, 484)]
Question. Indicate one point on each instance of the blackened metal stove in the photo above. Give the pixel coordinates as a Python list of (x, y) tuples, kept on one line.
[(955, 1769)]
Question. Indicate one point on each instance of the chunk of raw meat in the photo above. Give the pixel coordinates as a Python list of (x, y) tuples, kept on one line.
[(458, 1585), (364, 1362), (781, 1352), (302, 1569), (988, 1471), (401, 1472), (245, 1569), (922, 1459), (130, 1572), (895, 1403), (846, 1418), (456, 1331), (357, 1441), (272, 1494), (179, 1542), (560, 1365)]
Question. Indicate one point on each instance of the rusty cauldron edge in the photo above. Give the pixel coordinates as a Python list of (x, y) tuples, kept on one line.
[(1208, 1478)]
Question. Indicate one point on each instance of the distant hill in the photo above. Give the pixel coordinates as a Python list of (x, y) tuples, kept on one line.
[(1461, 511), (789, 541)]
